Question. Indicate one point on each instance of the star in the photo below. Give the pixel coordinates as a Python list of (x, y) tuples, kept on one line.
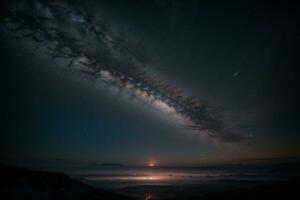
[(236, 74)]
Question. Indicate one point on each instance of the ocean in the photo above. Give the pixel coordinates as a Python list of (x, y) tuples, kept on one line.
[(167, 182)]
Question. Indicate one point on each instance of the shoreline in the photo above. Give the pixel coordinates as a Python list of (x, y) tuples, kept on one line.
[(20, 183)]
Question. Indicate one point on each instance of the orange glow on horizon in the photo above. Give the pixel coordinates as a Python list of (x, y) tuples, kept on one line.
[(151, 164)]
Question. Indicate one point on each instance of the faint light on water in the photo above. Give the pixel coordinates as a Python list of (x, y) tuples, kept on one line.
[(149, 178), (148, 197)]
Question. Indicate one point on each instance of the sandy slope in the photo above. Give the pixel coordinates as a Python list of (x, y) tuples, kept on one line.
[(19, 183)]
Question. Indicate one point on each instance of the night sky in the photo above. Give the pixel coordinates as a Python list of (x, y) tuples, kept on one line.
[(237, 61)]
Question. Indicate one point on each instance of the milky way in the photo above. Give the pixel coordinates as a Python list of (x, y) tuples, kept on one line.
[(90, 43)]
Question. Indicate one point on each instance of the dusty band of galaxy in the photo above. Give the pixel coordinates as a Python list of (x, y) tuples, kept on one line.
[(93, 45)]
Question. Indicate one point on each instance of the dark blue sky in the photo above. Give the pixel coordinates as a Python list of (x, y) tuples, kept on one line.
[(239, 57)]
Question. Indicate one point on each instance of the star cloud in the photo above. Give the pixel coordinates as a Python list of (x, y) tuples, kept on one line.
[(89, 41)]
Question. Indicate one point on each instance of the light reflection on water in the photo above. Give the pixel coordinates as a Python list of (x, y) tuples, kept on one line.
[(158, 182), (154, 176), (119, 177), (136, 178), (110, 177)]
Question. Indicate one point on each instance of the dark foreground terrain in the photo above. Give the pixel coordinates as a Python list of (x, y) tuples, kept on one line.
[(17, 183)]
